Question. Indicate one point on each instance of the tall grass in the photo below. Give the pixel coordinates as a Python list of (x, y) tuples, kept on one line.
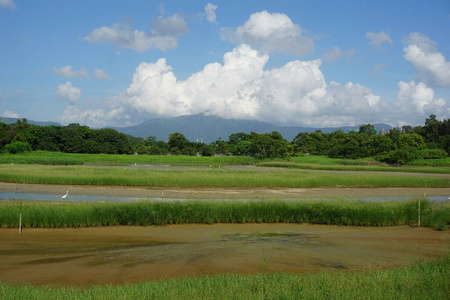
[(355, 167), (145, 213), (288, 178), (55, 158), (421, 280)]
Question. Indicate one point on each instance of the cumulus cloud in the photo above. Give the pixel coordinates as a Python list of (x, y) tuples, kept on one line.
[(416, 100), (271, 32), (94, 117), (210, 11), (7, 4), (336, 53), (431, 66), (378, 39), (240, 87), (10, 114), (68, 91), (162, 35)]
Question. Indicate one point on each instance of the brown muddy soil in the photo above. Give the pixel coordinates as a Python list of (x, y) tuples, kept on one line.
[(116, 255)]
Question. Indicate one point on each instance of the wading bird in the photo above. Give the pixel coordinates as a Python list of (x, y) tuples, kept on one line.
[(67, 193)]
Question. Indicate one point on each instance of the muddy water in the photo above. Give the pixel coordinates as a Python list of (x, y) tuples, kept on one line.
[(130, 254)]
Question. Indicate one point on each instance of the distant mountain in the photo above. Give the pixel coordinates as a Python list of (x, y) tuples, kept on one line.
[(14, 120), (208, 128)]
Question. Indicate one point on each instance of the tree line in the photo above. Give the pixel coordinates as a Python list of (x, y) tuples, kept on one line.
[(397, 146)]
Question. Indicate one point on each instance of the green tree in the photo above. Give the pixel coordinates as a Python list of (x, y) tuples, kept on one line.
[(177, 143), (367, 129), (18, 147)]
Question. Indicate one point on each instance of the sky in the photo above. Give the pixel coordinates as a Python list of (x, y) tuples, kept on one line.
[(317, 63)]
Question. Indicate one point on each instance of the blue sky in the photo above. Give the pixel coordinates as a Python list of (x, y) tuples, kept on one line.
[(304, 63)]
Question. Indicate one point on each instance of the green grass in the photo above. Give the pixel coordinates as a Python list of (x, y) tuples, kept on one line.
[(420, 280), (355, 167), (55, 158), (288, 178), (443, 162), (325, 160), (146, 213)]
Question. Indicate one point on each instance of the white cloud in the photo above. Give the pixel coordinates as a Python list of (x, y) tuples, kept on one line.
[(68, 91), (336, 53), (271, 32), (210, 11), (162, 36), (431, 66), (100, 74), (378, 39), (294, 94), (94, 117), (7, 4), (68, 72), (10, 114), (417, 101)]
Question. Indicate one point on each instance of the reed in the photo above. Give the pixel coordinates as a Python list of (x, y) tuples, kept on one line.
[(288, 178), (146, 213), (420, 280)]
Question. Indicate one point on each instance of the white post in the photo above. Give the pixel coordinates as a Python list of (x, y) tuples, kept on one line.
[(20, 217)]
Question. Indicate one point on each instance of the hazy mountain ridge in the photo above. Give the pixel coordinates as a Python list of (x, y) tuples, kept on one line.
[(14, 120), (208, 128)]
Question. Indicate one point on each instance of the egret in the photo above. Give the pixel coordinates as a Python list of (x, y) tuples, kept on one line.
[(67, 193)]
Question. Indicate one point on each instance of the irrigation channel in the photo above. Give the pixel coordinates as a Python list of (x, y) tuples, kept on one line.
[(91, 198)]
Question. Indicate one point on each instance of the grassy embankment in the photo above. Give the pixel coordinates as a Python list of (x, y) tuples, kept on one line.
[(421, 280), (146, 213)]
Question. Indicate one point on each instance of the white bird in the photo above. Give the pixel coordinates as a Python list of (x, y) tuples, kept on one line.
[(67, 193)]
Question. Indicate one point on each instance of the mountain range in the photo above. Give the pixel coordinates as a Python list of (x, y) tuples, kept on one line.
[(207, 128), (14, 120)]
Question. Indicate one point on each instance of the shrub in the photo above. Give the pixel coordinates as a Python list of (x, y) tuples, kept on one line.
[(399, 156), (18, 147), (433, 153)]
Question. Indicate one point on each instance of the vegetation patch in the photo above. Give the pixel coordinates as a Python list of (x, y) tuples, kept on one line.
[(211, 177), (145, 213), (355, 167)]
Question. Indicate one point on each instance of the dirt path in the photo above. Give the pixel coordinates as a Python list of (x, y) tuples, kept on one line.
[(222, 193), (118, 255)]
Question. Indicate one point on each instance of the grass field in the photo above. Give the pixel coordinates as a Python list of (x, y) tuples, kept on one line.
[(354, 167), (421, 280), (58, 158), (214, 177), (146, 213)]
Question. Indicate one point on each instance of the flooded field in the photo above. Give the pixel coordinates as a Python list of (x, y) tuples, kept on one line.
[(118, 255)]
